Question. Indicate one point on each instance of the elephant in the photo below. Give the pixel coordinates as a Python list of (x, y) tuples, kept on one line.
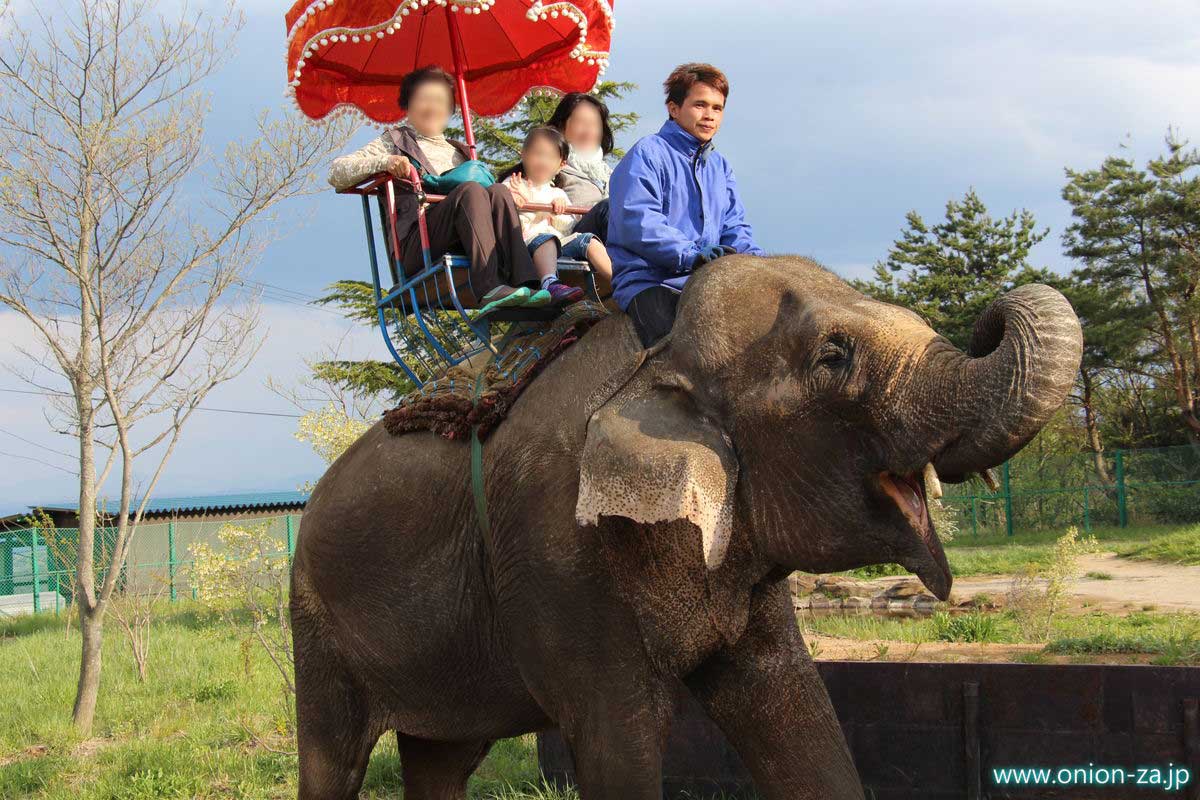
[(643, 508)]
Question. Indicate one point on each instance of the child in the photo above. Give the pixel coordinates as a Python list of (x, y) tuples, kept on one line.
[(549, 234)]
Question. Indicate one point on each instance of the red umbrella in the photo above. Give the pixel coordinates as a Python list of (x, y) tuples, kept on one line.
[(352, 54)]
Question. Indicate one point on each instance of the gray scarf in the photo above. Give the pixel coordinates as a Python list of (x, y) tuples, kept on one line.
[(591, 166)]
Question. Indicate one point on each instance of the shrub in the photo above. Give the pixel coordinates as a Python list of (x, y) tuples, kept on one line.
[(1038, 594)]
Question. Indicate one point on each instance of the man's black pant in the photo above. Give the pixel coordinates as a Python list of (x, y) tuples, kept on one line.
[(653, 313)]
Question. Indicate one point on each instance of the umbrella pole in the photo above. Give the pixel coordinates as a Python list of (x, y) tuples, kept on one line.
[(460, 77)]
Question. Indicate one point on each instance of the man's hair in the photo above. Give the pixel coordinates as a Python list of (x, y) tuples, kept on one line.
[(685, 76), (552, 135), (419, 77)]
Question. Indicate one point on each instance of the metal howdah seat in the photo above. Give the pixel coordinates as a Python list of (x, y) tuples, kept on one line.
[(427, 319)]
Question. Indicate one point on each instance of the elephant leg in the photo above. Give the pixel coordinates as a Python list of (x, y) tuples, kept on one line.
[(766, 695), (333, 740), (617, 744), (333, 729), (438, 770)]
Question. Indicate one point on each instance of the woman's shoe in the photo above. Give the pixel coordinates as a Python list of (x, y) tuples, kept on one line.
[(563, 295), (503, 296)]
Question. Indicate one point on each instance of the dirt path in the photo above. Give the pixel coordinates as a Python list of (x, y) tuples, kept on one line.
[(1133, 585)]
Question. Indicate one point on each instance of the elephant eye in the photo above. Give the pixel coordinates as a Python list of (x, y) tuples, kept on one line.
[(834, 353)]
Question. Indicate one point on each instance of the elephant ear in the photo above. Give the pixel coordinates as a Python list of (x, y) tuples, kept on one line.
[(651, 456)]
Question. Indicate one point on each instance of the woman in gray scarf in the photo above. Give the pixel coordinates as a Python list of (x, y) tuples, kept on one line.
[(583, 120)]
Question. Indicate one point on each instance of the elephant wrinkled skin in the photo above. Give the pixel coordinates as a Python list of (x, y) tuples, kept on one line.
[(645, 510)]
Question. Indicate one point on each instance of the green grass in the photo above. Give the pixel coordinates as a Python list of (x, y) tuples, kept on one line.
[(194, 730), (914, 630), (995, 553), (1174, 638), (999, 554), (1177, 547)]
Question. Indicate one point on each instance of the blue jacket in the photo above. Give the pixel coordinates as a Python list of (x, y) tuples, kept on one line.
[(670, 197)]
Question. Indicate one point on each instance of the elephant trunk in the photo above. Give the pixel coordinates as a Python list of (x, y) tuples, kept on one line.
[(1024, 354)]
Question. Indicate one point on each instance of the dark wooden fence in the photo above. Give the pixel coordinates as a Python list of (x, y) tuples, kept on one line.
[(926, 731)]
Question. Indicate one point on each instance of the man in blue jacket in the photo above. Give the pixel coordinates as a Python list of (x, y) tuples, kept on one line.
[(674, 204)]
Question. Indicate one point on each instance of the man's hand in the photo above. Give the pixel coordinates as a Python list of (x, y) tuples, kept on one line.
[(399, 166), (712, 253)]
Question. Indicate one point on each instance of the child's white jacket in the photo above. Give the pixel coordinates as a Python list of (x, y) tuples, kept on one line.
[(535, 223)]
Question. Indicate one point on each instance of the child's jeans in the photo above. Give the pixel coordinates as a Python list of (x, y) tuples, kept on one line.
[(576, 249)]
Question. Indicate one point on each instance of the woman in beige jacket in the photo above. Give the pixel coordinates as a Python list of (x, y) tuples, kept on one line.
[(481, 223)]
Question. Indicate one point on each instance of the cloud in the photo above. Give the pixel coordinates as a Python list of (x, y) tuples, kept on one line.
[(219, 452)]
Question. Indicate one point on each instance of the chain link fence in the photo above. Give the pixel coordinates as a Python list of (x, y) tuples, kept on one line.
[(1052, 491), (37, 565)]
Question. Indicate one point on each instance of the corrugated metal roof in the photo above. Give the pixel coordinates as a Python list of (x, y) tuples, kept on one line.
[(219, 502)]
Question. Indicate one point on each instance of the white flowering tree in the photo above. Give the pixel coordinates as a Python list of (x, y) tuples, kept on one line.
[(121, 235), (334, 413), (245, 582)]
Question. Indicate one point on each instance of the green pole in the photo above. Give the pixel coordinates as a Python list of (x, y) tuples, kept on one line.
[(1007, 485), (171, 556), (57, 593), (291, 536), (6, 565), (974, 515), (37, 589), (1087, 513), (1122, 511)]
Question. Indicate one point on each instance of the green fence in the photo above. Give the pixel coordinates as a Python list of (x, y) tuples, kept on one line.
[(37, 565), (1052, 491), (1036, 491)]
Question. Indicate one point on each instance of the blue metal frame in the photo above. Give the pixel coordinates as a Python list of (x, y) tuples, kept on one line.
[(444, 333)]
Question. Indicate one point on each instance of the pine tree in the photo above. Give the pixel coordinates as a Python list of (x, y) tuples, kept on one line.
[(1137, 233), (949, 272), (498, 141), (1114, 346)]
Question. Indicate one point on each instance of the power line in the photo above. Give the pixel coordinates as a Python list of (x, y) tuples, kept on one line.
[(279, 294), (38, 446), (198, 408), (39, 461), (254, 413), (30, 391)]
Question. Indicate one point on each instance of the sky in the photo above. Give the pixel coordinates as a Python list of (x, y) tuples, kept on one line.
[(842, 117)]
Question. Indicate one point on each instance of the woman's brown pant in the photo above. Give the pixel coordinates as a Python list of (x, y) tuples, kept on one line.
[(481, 223)]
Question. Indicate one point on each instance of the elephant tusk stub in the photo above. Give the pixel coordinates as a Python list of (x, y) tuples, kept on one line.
[(933, 486)]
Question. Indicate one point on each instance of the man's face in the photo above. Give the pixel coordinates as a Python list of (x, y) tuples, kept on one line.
[(700, 113)]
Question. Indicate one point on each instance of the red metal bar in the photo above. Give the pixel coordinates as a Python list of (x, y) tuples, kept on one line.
[(390, 190), (460, 75)]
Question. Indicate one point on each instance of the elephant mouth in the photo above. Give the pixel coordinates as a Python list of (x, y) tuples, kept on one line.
[(909, 491)]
